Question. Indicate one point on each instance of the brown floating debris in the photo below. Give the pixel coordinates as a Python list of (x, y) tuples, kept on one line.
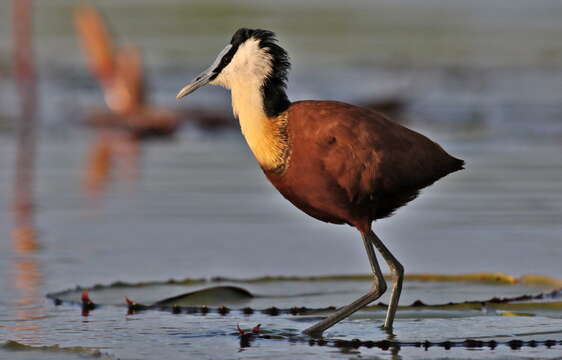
[(369, 344), (247, 311), (356, 343), (447, 345), (385, 344), (551, 343), (340, 343), (273, 311), (515, 344), (223, 310), (470, 343)]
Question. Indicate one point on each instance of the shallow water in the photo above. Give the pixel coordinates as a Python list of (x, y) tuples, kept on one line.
[(201, 209), (198, 206), (109, 329)]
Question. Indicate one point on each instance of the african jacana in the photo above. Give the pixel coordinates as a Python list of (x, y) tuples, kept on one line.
[(338, 163)]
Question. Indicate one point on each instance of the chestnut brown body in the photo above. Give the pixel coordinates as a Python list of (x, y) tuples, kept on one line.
[(349, 164)]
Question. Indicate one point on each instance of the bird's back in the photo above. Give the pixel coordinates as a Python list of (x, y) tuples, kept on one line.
[(348, 163)]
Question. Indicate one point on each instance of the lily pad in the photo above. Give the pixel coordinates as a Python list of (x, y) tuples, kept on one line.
[(215, 295)]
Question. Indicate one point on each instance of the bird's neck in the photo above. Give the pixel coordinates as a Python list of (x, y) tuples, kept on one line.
[(266, 135)]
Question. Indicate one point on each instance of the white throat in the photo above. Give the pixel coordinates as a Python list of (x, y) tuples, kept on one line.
[(244, 76)]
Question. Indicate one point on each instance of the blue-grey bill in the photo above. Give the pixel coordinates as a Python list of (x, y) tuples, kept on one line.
[(203, 78)]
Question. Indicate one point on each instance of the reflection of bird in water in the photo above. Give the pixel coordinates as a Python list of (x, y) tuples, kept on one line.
[(27, 276), (337, 162), (112, 149)]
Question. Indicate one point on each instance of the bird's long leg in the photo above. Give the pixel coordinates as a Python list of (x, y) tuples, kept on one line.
[(378, 288), (397, 271)]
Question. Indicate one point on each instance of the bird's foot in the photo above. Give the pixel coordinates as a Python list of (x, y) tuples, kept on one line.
[(313, 333), (388, 331)]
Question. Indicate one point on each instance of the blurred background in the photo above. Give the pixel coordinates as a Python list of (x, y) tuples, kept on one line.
[(131, 184)]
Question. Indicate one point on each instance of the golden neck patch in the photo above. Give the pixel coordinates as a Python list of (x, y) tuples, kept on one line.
[(267, 138)]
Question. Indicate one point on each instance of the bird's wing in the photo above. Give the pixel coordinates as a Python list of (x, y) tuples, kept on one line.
[(368, 155)]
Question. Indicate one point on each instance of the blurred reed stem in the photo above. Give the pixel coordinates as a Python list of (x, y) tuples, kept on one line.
[(26, 83)]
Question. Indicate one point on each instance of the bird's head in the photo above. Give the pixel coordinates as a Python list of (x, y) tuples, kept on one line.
[(252, 58)]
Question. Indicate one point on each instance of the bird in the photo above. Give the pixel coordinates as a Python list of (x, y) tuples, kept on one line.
[(338, 163)]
